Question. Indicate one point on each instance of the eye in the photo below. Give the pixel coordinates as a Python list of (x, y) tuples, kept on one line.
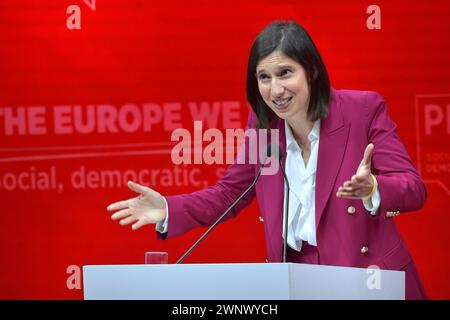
[(262, 77), (285, 72)]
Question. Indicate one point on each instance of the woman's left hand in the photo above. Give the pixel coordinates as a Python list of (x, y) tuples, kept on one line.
[(361, 184)]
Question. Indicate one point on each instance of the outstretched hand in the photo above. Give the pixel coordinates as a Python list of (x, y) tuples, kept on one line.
[(147, 208), (361, 184)]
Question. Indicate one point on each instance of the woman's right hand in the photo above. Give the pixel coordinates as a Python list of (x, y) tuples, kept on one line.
[(149, 207)]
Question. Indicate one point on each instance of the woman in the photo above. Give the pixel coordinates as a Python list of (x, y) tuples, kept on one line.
[(349, 172)]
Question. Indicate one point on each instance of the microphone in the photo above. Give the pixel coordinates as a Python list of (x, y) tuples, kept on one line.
[(279, 155), (286, 205), (268, 155)]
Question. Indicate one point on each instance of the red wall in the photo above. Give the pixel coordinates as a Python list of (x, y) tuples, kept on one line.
[(169, 57)]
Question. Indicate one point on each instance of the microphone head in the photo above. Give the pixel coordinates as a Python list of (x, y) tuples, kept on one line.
[(277, 151), (269, 150)]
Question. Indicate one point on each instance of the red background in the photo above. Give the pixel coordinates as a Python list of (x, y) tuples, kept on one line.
[(160, 51)]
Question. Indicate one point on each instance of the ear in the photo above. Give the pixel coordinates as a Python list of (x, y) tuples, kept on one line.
[(315, 74)]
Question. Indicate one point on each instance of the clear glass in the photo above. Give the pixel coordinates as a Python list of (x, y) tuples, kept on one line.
[(156, 257)]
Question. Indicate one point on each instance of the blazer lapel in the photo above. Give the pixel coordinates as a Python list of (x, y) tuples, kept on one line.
[(332, 144)]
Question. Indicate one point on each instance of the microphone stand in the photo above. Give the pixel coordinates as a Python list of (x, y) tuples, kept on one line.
[(286, 211), (286, 204), (224, 214)]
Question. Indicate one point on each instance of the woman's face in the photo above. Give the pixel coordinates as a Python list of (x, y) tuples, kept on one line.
[(283, 85)]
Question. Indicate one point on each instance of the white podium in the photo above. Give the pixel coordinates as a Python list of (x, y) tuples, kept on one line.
[(240, 281)]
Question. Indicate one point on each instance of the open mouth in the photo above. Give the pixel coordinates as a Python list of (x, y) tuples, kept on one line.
[(282, 103)]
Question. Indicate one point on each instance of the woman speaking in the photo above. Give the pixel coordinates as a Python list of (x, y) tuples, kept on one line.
[(349, 173)]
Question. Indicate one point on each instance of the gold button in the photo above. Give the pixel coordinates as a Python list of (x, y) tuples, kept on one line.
[(351, 210), (261, 219), (364, 250), (391, 214)]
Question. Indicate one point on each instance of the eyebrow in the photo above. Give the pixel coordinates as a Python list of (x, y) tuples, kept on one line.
[(280, 66)]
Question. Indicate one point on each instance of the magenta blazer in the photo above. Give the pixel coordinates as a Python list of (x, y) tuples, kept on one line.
[(354, 119)]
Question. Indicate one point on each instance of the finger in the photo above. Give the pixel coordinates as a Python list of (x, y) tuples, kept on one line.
[(353, 192), (137, 187), (128, 220), (143, 190), (356, 183), (346, 189), (120, 214), (118, 205), (138, 224), (368, 155), (342, 194), (346, 195)]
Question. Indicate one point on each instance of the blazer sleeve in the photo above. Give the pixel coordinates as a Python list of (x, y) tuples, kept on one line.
[(400, 185), (204, 207)]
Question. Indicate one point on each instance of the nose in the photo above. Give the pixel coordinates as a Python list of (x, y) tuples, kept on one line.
[(276, 90)]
